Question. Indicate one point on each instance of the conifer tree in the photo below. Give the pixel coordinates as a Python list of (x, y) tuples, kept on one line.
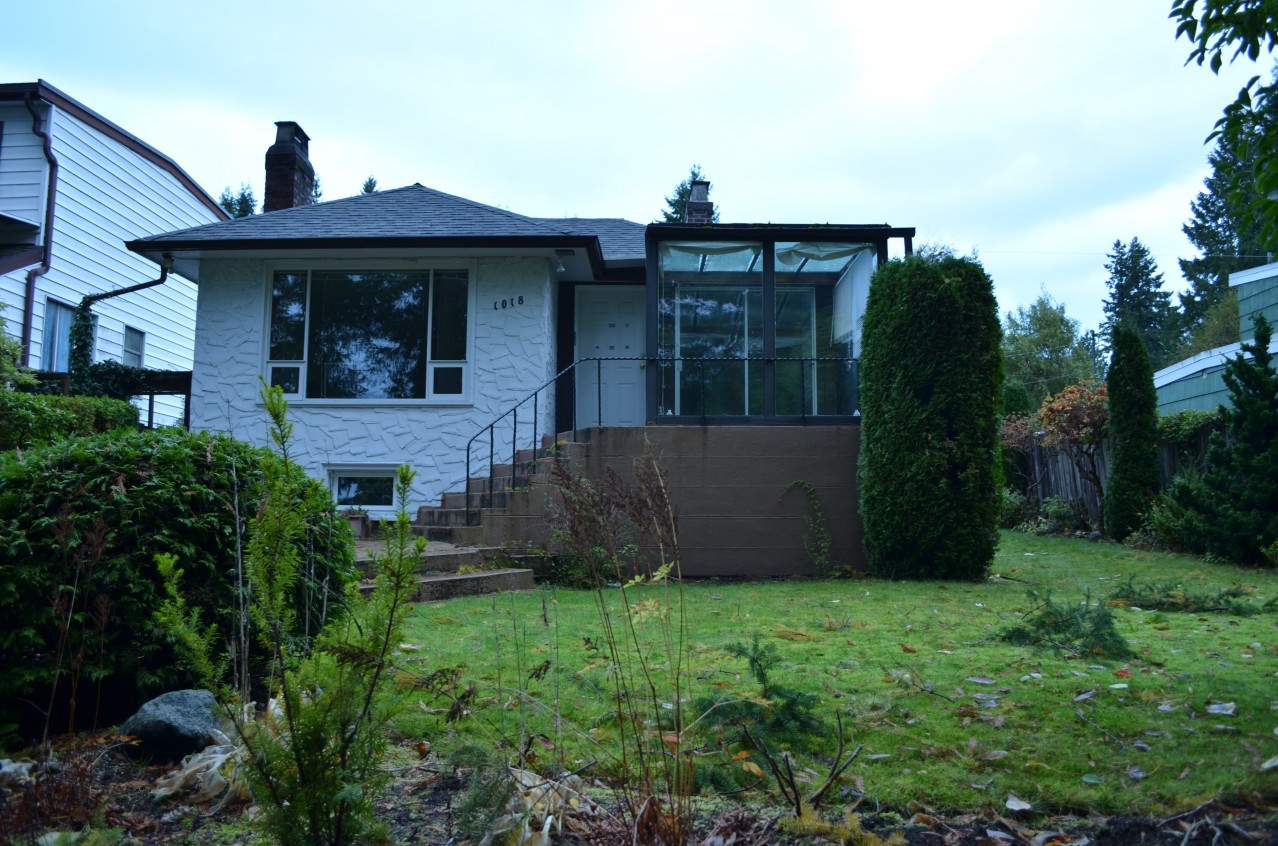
[(931, 378), (1242, 482), (1136, 297), (1133, 431)]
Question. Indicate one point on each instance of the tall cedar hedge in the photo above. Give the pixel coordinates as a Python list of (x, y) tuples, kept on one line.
[(931, 376), (1133, 430), (81, 521)]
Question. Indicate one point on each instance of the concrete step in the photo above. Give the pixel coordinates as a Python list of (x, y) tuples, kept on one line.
[(448, 585)]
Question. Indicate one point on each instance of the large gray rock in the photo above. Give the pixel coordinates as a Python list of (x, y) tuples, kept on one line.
[(176, 724)]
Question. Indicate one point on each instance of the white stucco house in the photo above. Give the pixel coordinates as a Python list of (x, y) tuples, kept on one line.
[(401, 324), (73, 188)]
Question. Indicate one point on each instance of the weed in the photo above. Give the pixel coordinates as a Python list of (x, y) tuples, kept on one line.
[(817, 538)]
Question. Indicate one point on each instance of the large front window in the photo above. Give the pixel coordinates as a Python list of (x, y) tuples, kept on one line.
[(370, 335), (749, 329)]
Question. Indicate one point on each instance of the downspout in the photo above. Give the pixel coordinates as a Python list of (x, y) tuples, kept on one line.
[(81, 352), (166, 264), (28, 308)]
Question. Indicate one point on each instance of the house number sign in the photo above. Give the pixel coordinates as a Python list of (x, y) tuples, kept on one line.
[(510, 303)]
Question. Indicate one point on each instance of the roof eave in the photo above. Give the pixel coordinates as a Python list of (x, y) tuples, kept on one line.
[(156, 248)]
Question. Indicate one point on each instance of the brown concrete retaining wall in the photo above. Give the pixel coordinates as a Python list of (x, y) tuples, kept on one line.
[(736, 518), (728, 484)]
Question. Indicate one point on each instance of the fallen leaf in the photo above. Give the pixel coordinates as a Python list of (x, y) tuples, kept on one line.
[(994, 755), (1123, 674), (1091, 778), (1087, 694), (752, 768), (1015, 803), (1135, 773), (1224, 709), (1270, 764), (905, 647), (979, 679)]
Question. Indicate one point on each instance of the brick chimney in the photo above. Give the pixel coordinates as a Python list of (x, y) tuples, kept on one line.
[(700, 209), (290, 179)]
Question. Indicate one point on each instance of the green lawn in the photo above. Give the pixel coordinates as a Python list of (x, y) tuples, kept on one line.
[(950, 716)]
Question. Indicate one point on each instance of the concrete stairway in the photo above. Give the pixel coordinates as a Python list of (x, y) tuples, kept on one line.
[(482, 570), (508, 510)]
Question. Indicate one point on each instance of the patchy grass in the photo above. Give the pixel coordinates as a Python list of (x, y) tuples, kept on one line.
[(950, 716)]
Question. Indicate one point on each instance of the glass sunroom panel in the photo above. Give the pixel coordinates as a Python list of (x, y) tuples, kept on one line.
[(818, 288), (710, 321)]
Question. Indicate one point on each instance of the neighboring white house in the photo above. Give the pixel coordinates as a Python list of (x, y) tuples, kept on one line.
[(73, 188), (1198, 382), (400, 324)]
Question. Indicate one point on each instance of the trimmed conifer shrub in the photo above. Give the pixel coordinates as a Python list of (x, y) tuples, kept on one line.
[(81, 523), (1236, 507), (1133, 431), (931, 382)]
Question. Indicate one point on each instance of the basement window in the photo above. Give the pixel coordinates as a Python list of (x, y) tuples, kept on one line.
[(364, 489)]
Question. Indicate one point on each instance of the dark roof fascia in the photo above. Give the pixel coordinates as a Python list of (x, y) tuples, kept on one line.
[(160, 244), (46, 92), (877, 233), (25, 258)]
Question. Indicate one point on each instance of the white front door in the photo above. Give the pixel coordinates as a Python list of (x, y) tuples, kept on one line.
[(610, 324)]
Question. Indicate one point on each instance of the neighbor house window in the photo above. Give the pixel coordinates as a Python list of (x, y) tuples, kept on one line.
[(134, 344), (370, 334), (56, 350)]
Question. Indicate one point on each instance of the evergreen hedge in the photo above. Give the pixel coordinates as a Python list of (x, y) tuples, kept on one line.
[(1133, 430), (1234, 511), (33, 419), (931, 376), (81, 522)]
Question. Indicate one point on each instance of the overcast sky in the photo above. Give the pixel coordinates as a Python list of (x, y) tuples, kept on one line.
[(1035, 133)]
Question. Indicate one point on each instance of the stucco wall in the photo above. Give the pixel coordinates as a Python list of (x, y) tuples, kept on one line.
[(512, 354)]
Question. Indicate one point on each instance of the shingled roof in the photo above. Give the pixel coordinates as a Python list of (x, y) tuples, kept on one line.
[(413, 216)]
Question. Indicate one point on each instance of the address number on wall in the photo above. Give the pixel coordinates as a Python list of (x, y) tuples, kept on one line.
[(498, 305)]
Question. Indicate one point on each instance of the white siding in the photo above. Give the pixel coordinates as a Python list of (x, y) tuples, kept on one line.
[(512, 354), (22, 165), (108, 194)]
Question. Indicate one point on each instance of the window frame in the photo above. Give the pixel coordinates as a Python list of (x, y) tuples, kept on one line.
[(49, 353), (125, 350), (367, 471), (270, 366)]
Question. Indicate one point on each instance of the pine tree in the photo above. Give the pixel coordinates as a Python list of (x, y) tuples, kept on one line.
[(677, 203), (1226, 244), (1242, 482), (1133, 432), (931, 377), (369, 186), (241, 204), (1136, 297)]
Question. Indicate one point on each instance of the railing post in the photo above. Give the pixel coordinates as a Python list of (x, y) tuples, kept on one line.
[(803, 390), (466, 484), (492, 463), (599, 392), (514, 446), (536, 428)]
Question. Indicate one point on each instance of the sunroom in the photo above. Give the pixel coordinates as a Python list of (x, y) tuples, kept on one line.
[(745, 324)]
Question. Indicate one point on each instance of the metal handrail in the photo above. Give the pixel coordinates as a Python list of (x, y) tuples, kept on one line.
[(534, 397)]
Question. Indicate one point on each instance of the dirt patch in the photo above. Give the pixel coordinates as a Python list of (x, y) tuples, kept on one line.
[(93, 783)]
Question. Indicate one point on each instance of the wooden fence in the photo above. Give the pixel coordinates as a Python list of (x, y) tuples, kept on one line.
[(1051, 473)]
